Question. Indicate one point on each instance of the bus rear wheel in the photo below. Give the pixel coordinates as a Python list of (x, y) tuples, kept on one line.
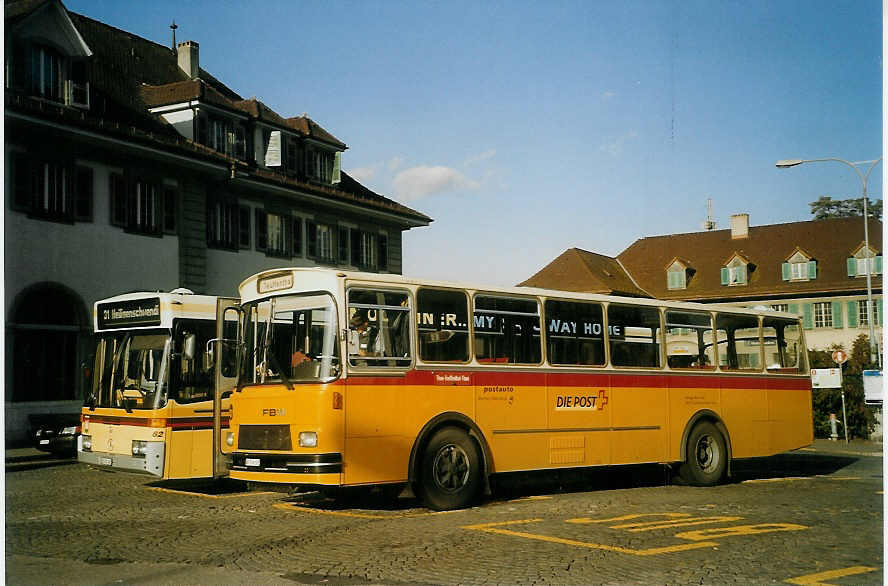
[(706, 456), (451, 470)]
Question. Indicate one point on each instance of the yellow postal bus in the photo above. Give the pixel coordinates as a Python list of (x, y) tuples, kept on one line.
[(151, 406), (352, 379)]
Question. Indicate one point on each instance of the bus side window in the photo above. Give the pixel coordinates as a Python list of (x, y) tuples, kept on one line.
[(689, 340), (380, 321), (782, 341), (574, 333), (507, 330), (634, 335), (739, 345), (442, 324)]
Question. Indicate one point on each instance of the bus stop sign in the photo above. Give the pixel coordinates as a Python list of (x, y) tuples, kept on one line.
[(839, 356)]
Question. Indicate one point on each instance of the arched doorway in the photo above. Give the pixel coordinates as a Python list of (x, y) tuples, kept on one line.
[(48, 326)]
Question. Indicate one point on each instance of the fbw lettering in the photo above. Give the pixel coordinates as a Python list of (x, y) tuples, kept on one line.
[(274, 412)]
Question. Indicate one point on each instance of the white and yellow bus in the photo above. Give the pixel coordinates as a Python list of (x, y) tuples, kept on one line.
[(151, 408), (352, 379)]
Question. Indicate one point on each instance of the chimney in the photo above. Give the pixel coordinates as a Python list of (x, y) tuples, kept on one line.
[(739, 226), (189, 58)]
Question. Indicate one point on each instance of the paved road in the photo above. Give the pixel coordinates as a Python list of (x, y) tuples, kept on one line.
[(811, 516)]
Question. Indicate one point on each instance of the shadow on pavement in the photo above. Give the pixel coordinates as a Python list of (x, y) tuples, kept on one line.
[(36, 461), (793, 464), (205, 486)]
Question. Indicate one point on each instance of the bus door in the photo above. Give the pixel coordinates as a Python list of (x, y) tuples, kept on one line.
[(224, 351)]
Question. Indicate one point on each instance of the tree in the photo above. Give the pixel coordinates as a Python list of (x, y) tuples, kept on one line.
[(826, 401), (826, 207)]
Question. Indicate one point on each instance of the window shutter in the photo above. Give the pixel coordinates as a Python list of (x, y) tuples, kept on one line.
[(852, 267), (343, 245), (383, 252), (807, 316), (22, 181), (741, 274), (312, 229), (337, 167), (837, 314), (852, 314), (878, 312), (355, 247), (297, 236), (812, 269), (785, 271), (793, 309), (725, 276), (877, 269), (261, 230)]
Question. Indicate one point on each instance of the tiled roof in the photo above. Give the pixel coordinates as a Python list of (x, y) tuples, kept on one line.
[(583, 271), (129, 74), (309, 127), (829, 242)]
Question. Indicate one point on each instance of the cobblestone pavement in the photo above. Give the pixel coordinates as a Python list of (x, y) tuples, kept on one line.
[(810, 516)]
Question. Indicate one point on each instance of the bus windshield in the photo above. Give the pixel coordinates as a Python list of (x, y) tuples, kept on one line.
[(290, 339), (132, 370)]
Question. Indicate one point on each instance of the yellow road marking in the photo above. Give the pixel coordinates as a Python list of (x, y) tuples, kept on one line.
[(295, 507), (717, 532), (206, 496), (817, 579), (583, 520), (782, 479), (655, 525), (497, 528)]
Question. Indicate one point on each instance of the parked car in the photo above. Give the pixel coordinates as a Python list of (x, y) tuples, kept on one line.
[(56, 433)]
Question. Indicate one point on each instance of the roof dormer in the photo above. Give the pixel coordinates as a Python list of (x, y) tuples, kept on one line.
[(800, 266), (678, 273), (735, 271)]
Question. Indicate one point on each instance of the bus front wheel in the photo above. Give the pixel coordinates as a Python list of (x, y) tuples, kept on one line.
[(706, 456), (451, 470)]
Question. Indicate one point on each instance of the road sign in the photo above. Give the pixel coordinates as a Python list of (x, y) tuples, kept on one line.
[(873, 390), (826, 378), (839, 356)]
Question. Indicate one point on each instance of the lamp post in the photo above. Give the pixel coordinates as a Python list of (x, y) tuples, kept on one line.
[(870, 314)]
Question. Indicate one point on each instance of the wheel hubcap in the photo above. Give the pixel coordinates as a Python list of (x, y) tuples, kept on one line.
[(451, 469), (707, 453)]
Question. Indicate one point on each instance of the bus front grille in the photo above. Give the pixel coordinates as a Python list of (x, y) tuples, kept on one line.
[(264, 437)]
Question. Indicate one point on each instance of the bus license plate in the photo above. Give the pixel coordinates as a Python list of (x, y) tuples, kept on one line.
[(252, 461), (107, 461), (44, 442)]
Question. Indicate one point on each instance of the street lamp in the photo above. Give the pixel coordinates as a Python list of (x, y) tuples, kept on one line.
[(870, 314)]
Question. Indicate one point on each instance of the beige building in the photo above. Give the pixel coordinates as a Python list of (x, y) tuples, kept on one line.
[(816, 269)]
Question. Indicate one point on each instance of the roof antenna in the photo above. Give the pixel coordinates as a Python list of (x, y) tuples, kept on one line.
[(173, 28), (709, 222)]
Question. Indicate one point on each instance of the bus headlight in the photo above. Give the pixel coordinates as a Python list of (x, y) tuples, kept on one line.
[(69, 431), (139, 448), (308, 439), (229, 438), (86, 443)]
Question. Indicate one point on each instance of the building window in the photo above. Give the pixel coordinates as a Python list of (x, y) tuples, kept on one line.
[(292, 152), (43, 189), (368, 250), (47, 73), (320, 242), (675, 279), (279, 237), (144, 208), (223, 218), (858, 264), (863, 314), (243, 238), (223, 135), (823, 317), (799, 267), (734, 273), (319, 165), (79, 94), (780, 307), (83, 202)]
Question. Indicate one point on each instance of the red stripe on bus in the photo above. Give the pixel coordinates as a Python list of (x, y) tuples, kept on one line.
[(600, 378)]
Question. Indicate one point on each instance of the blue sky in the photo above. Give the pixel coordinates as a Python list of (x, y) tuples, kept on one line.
[(526, 128)]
